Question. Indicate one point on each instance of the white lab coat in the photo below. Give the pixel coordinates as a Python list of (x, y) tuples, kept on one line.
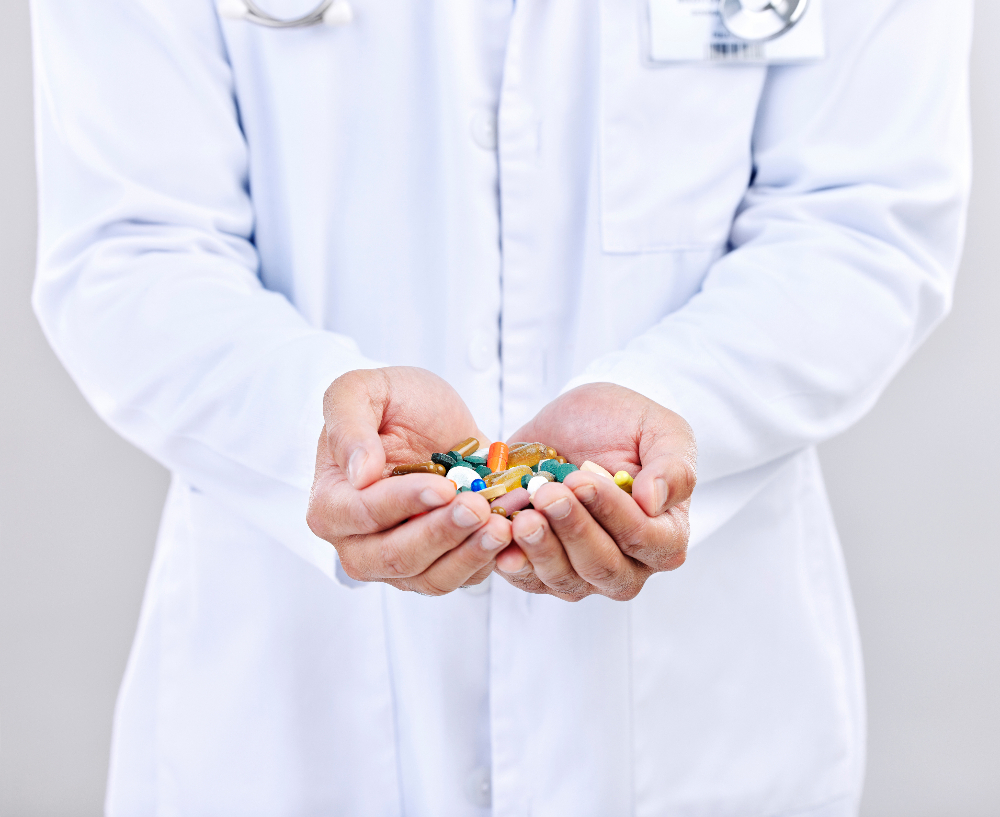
[(520, 201)]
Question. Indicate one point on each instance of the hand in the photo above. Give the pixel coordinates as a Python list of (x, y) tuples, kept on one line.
[(376, 420), (587, 535)]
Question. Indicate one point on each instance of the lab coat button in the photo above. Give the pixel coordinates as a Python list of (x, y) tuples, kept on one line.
[(482, 351), (484, 130), (478, 788)]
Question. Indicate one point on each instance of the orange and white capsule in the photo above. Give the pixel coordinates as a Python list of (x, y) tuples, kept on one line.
[(496, 460)]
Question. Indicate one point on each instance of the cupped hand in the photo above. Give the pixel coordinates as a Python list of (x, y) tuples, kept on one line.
[(587, 536), (378, 419)]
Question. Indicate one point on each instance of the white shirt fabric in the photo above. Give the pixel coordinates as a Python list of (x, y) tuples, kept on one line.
[(521, 201)]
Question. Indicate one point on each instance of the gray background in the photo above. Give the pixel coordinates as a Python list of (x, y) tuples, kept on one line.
[(915, 487)]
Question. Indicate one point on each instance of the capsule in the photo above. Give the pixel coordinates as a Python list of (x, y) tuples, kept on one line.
[(530, 454), (499, 511), (420, 468), (466, 447), (510, 479), (463, 476), (497, 459), (623, 479)]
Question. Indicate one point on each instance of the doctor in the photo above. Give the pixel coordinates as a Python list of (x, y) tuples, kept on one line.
[(576, 221)]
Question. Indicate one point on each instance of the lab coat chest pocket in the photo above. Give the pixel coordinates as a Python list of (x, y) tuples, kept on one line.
[(675, 141)]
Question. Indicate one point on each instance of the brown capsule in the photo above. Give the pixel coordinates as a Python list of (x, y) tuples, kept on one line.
[(466, 447), (529, 455), (419, 468), (509, 479), (551, 454), (500, 511), (561, 460)]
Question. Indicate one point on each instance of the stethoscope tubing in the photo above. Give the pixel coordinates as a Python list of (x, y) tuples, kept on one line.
[(261, 17)]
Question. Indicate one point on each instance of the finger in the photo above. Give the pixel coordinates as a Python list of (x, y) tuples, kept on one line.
[(512, 560), (480, 575), (337, 510), (409, 549), (668, 474), (353, 407), (548, 560), (591, 550), (472, 557), (527, 582), (612, 508), (659, 543)]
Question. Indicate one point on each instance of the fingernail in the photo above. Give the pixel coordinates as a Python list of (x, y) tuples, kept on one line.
[(490, 542), (355, 464), (431, 498), (464, 517), (535, 536), (586, 493), (559, 509), (661, 492)]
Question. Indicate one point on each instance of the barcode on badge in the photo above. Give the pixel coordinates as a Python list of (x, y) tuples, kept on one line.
[(736, 52)]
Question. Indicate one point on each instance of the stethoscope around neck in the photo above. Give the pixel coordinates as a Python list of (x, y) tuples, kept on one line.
[(328, 12), (751, 20)]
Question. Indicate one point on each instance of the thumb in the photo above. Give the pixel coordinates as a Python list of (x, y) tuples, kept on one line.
[(669, 473), (353, 408)]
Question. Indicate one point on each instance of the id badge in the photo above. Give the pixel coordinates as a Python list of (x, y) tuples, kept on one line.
[(693, 31)]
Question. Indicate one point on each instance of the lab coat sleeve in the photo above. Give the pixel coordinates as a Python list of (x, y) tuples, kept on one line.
[(842, 254), (147, 284)]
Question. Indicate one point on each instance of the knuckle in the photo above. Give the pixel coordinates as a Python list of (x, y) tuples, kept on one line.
[(628, 590), (688, 477), (349, 381), (316, 520), (427, 587), (565, 583), (393, 560), (634, 538), (674, 559), (575, 527), (352, 569), (573, 597), (601, 573), (364, 516), (664, 559)]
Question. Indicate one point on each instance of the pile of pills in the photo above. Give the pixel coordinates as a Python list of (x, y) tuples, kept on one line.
[(507, 476)]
